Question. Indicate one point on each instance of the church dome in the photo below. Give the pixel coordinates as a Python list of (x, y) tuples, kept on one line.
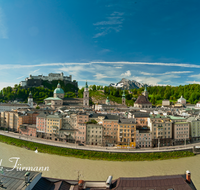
[(58, 90)]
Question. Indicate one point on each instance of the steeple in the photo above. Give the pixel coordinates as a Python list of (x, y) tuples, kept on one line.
[(86, 85), (145, 88), (30, 100), (123, 98), (145, 93), (107, 101), (58, 85), (123, 95), (86, 96), (30, 95)]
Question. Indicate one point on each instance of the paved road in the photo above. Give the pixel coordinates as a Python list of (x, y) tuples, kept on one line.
[(97, 148)]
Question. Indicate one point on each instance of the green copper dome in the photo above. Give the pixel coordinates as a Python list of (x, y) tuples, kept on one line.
[(107, 100), (58, 90)]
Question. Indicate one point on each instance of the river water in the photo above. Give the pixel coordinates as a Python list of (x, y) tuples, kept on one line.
[(68, 167)]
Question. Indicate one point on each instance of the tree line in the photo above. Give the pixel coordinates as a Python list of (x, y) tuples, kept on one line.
[(190, 92)]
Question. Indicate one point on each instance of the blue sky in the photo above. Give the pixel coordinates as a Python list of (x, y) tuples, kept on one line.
[(101, 41)]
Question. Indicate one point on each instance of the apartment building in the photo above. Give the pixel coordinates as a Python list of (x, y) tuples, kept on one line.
[(127, 132), (28, 130), (140, 117), (53, 125), (143, 138), (161, 130), (12, 106), (180, 130), (82, 119), (27, 118), (110, 128), (194, 125), (67, 132), (94, 134), (9, 120), (41, 124)]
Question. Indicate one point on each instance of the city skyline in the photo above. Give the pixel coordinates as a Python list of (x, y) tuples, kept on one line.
[(102, 42)]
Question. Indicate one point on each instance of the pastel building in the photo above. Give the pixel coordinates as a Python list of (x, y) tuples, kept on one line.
[(110, 128), (143, 138), (82, 119), (180, 130), (53, 124), (94, 134), (194, 123), (127, 132), (182, 100), (161, 130), (41, 124)]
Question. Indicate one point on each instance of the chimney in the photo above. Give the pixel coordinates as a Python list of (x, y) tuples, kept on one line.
[(108, 182), (80, 184), (188, 176)]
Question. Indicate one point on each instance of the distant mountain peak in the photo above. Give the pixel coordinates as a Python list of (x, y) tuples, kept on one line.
[(127, 84)]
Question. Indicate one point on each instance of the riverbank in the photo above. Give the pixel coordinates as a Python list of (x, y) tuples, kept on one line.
[(94, 155)]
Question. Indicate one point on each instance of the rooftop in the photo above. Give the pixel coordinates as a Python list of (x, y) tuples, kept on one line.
[(16, 180), (142, 100)]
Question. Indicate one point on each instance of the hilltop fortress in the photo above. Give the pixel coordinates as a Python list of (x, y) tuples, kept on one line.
[(37, 80)]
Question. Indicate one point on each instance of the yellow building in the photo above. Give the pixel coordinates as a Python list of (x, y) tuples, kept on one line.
[(127, 132), (53, 124), (9, 120)]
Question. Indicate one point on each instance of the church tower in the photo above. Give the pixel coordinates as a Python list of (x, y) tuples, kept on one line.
[(123, 98), (86, 96), (145, 93), (107, 101), (30, 100)]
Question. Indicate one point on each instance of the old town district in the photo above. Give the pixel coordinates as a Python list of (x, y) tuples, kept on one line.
[(74, 120)]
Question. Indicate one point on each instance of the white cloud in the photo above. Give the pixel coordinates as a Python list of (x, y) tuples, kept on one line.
[(148, 63), (196, 76), (35, 71), (166, 73), (126, 74), (178, 72), (100, 76), (147, 80), (118, 67), (3, 29), (20, 77), (104, 51), (6, 84), (103, 62), (113, 23), (193, 82)]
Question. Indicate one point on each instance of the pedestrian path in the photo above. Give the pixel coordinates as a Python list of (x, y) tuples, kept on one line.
[(101, 149)]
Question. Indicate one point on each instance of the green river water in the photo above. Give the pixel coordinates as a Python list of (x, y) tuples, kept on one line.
[(68, 167)]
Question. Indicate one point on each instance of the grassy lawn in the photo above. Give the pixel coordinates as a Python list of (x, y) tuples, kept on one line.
[(93, 155)]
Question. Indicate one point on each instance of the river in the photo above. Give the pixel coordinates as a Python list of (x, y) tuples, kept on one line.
[(68, 167)]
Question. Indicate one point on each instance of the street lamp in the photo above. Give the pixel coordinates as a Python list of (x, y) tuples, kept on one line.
[(185, 140)]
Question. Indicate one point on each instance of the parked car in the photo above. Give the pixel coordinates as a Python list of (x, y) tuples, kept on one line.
[(80, 144)]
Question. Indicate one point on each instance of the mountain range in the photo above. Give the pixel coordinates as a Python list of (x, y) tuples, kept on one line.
[(127, 84)]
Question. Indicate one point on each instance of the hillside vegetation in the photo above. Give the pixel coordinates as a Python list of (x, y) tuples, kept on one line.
[(99, 94)]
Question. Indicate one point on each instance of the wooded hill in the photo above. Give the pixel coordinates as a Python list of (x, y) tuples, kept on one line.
[(190, 92)]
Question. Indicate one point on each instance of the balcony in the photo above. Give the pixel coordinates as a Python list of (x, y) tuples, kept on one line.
[(120, 137)]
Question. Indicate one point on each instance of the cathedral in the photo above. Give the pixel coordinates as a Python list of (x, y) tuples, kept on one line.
[(58, 99)]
